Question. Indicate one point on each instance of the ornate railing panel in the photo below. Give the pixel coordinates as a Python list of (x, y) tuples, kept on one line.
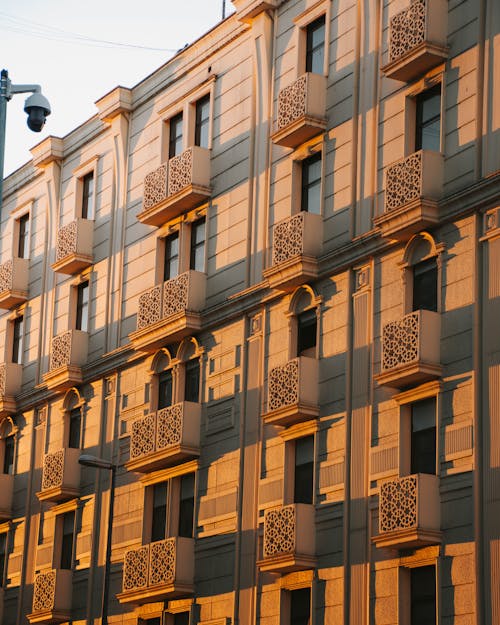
[(407, 29), (6, 275), (292, 102), (279, 531), (162, 556), (400, 341), (288, 238), (60, 351), (398, 504), (142, 441), (175, 295), (284, 385), (3, 378), (403, 181), (67, 238), (180, 171), (169, 426), (149, 307), (44, 591), (53, 470), (155, 187), (135, 568)]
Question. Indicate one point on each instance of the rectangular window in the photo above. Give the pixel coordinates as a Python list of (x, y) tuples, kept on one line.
[(17, 339), (428, 120), (159, 516), (423, 436), (192, 381), (315, 46), (197, 251), (300, 606), (175, 136), (8, 455), (202, 122), (23, 240), (75, 428), (171, 264), (3, 557), (306, 333), (82, 306), (425, 292), (186, 506), (165, 386), (68, 529), (311, 184), (423, 595), (88, 196), (304, 470), (181, 618)]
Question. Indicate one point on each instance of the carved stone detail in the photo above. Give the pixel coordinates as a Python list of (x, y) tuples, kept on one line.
[(169, 426), (180, 171), (6, 272), (66, 240), (135, 568), (53, 470), (60, 351), (149, 307), (284, 385), (400, 341), (292, 102), (44, 591), (3, 378), (288, 238), (175, 294), (279, 531), (403, 181), (142, 441), (398, 504), (407, 29), (162, 562), (155, 187)]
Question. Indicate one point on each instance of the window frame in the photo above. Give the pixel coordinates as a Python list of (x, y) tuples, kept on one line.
[(16, 339), (300, 580), (434, 79), (87, 168), (312, 149), (22, 235), (302, 21), (303, 301), (429, 557), (414, 254), (290, 436), (8, 431), (82, 306)]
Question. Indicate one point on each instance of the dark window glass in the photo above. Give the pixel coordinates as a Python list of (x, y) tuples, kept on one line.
[(202, 122), (423, 436), (306, 332), (423, 595), (23, 244), (171, 266), (159, 516), (425, 285), (311, 184), (304, 470), (186, 506), (300, 606), (68, 528), (428, 122), (17, 339), (82, 307), (151, 621), (165, 385), (3, 557), (192, 385), (182, 618), (315, 46), (197, 253), (75, 428), (8, 456), (175, 136), (88, 196)]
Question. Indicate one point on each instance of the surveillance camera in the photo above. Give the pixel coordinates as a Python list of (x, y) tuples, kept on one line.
[(37, 106)]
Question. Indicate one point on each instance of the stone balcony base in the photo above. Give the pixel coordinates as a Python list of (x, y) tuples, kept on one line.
[(408, 538), (73, 263), (287, 563), (300, 131), (160, 592), (174, 205), (8, 405), (402, 223), (50, 616), (408, 375), (10, 298), (291, 273), (172, 328), (290, 415), (416, 62), (163, 458), (63, 378)]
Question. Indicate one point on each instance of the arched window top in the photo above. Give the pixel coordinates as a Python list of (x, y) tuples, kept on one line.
[(420, 247), (72, 400), (7, 428), (304, 298), (161, 360), (189, 349)]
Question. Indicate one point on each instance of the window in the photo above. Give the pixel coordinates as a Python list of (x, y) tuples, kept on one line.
[(172, 508), (171, 262), (306, 333), (186, 506), (425, 285), (315, 46), (192, 381), (82, 306), (423, 436), (23, 239), (304, 470), (8, 455), (423, 595), (300, 606), (67, 524), (3, 558), (75, 428), (177, 618), (17, 339), (88, 196), (175, 143), (197, 252), (428, 120), (421, 268), (165, 389), (202, 122), (311, 184), (159, 515)]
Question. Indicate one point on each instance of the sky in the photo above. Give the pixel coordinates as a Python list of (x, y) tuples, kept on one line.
[(61, 45)]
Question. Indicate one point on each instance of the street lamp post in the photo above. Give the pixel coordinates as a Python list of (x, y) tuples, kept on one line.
[(88, 460), (36, 106)]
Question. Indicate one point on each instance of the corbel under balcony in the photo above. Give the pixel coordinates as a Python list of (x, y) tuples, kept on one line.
[(52, 597), (60, 475), (246, 10), (14, 282), (68, 354), (6, 493), (11, 374), (74, 247)]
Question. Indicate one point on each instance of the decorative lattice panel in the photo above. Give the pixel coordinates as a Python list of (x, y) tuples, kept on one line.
[(149, 307), (407, 30), (288, 238), (135, 568), (142, 441), (67, 237), (155, 187), (398, 504), (180, 172), (44, 591), (284, 385), (400, 341), (403, 181), (60, 351), (292, 102), (53, 470), (279, 531), (169, 426), (3, 378), (6, 276), (162, 562), (175, 295)]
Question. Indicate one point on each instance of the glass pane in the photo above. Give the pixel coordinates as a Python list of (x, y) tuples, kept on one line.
[(306, 331), (202, 122), (75, 428), (82, 307), (304, 470), (23, 244), (88, 197), (315, 46), (159, 516), (311, 184), (175, 136), (171, 269), (186, 506), (8, 456), (428, 120), (423, 436), (197, 256), (300, 606), (425, 285), (68, 527), (165, 390), (192, 387), (17, 340), (423, 595), (182, 618)]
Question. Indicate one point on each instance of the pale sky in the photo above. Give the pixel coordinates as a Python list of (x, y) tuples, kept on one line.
[(47, 43)]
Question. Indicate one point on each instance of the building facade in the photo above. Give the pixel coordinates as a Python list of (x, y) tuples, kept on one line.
[(264, 283)]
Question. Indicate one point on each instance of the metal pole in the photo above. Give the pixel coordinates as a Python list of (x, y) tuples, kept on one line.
[(107, 564), (4, 81), (223, 9)]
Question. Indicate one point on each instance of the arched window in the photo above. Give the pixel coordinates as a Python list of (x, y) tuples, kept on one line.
[(162, 381), (7, 446), (303, 315), (421, 266), (189, 356), (73, 410)]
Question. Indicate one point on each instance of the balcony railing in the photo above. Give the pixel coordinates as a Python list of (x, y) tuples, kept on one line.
[(60, 475), (160, 570), (293, 392), (301, 110), (165, 437), (417, 39), (74, 248), (52, 597), (14, 282), (411, 349), (289, 538), (409, 512), (68, 354), (176, 186)]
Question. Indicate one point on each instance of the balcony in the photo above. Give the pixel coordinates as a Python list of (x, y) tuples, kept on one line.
[(301, 111), (168, 436), (60, 475), (413, 187), (176, 187), (14, 282), (6, 494), (68, 354), (74, 249), (409, 512), (170, 311), (289, 539), (297, 243), (158, 571), (52, 597), (11, 374), (411, 351), (293, 394), (417, 39)]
